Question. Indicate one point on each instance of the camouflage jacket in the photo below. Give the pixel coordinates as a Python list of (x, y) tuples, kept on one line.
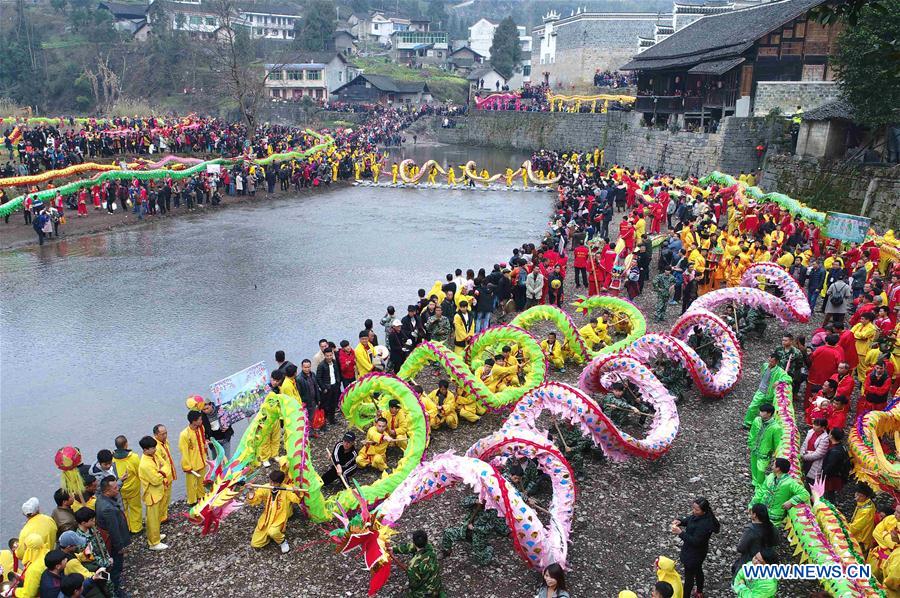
[(614, 407), (438, 328), (662, 283), (423, 572)]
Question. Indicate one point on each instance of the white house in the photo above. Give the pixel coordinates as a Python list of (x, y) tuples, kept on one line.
[(547, 38), (486, 79), (271, 21), (481, 37), (294, 81), (314, 74)]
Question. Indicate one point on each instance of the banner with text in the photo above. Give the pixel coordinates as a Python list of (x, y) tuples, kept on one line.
[(239, 395), (846, 227)]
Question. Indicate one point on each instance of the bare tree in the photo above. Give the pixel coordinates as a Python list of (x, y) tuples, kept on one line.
[(106, 86), (233, 61)]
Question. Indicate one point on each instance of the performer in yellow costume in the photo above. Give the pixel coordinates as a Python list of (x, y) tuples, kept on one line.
[(863, 523), (192, 444), (376, 445), (553, 349), (167, 465), (887, 539), (365, 355), (463, 328), (397, 423), (278, 504), (440, 404), (127, 464), (153, 489)]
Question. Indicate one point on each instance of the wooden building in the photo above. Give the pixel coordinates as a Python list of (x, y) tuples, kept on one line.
[(378, 89), (718, 65)]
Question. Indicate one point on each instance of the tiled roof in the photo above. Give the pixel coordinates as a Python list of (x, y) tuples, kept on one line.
[(384, 83), (834, 110), (122, 10), (270, 8), (718, 37), (716, 67)]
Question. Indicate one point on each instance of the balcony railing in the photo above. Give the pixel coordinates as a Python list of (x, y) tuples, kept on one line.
[(677, 104)]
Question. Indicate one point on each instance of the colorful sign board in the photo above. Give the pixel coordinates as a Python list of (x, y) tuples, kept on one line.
[(239, 395)]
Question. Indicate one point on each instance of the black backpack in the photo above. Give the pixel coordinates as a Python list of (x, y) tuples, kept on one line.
[(836, 299)]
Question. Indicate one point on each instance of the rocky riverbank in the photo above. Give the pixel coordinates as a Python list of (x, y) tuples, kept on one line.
[(622, 516)]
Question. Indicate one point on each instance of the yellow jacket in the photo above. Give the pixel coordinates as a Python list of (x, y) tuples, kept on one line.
[(863, 523), (167, 462), (698, 261), (555, 354), (364, 358), (733, 274), (127, 467), (786, 260), (42, 525), (379, 442), (590, 336), (7, 563), (277, 509), (687, 238), (602, 330), (152, 479), (431, 404), (461, 332), (882, 533), (864, 332), (289, 388), (437, 291), (500, 377), (665, 571), (397, 425), (90, 503), (74, 566), (32, 585), (192, 444), (640, 227), (891, 570)]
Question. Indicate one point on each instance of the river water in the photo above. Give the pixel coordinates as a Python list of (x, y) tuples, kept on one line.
[(108, 334)]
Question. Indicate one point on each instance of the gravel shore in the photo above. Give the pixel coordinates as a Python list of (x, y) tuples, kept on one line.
[(623, 511)]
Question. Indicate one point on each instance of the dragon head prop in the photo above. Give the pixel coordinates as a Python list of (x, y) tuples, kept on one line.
[(366, 531), (225, 481)]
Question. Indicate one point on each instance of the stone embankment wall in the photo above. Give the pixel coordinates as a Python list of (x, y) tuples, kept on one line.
[(787, 95), (532, 130), (731, 149), (625, 141), (837, 186)]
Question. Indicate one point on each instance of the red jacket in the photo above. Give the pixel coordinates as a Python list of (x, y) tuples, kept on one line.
[(581, 256), (848, 344), (844, 386), (347, 361), (875, 392), (837, 418), (823, 363), (862, 309)]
